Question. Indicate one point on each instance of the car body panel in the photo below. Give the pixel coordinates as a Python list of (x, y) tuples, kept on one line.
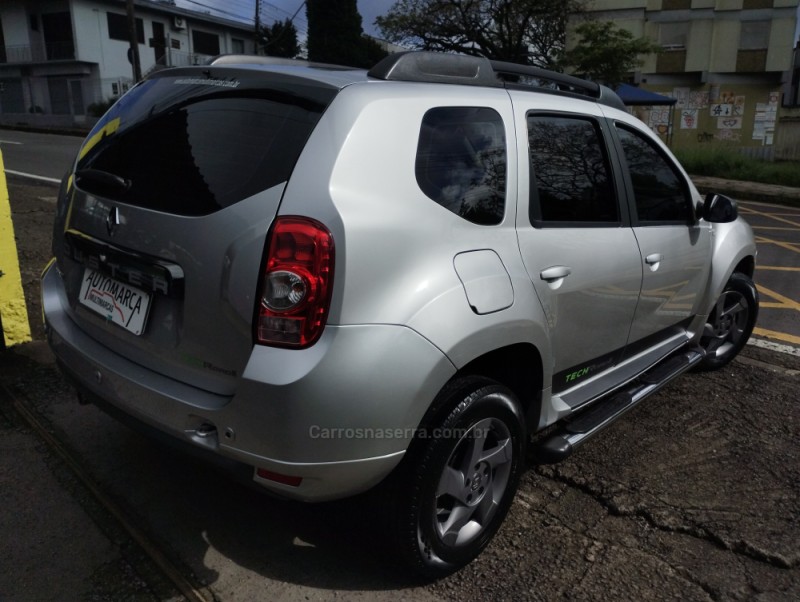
[(421, 295)]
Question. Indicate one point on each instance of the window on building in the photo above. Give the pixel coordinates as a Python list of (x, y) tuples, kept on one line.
[(756, 4), (118, 28), (571, 179), (2, 44), (237, 46), (461, 162), (57, 33), (673, 36), (755, 35), (205, 43)]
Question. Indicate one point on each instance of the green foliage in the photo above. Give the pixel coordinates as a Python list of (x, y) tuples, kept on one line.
[(521, 31), (606, 53), (280, 39), (335, 35), (727, 163)]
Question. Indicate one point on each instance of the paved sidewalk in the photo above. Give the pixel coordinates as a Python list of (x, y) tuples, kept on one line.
[(46, 510)]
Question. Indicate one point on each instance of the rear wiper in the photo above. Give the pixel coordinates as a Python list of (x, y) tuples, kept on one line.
[(101, 182)]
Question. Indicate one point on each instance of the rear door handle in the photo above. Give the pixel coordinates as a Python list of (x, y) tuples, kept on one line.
[(653, 259), (557, 272)]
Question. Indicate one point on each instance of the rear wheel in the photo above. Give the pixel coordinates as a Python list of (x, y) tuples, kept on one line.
[(730, 323), (459, 477)]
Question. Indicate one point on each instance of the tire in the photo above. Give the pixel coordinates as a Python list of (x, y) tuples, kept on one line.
[(459, 477), (730, 322)]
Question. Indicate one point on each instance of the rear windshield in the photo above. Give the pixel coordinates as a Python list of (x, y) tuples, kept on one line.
[(190, 143)]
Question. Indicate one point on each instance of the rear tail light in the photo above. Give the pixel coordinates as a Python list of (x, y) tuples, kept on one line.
[(296, 285)]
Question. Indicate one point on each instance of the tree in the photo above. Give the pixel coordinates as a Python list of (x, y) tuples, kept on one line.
[(606, 53), (531, 32), (335, 34), (280, 39)]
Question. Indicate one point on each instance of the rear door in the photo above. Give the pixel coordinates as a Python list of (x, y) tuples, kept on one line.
[(161, 233), (575, 239)]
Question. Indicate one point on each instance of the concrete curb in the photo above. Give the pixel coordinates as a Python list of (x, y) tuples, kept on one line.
[(749, 191), (14, 325)]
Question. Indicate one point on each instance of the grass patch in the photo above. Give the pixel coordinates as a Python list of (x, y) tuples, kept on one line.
[(725, 163)]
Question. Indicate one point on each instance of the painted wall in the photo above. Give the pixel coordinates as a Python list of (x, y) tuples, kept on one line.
[(733, 114)]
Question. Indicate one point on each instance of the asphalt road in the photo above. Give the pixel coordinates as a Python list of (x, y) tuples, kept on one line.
[(693, 496), (43, 155), (777, 231)]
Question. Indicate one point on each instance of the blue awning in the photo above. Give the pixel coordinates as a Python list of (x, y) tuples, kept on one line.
[(633, 96)]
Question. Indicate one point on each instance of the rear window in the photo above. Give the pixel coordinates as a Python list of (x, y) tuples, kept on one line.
[(191, 144), (461, 162)]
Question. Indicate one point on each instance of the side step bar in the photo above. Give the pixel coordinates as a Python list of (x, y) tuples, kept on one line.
[(578, 429)]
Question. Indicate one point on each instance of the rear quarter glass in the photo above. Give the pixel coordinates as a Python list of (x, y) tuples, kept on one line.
[(193, 141)]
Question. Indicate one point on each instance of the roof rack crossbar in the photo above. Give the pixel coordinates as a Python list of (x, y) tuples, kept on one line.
[(438, 67)]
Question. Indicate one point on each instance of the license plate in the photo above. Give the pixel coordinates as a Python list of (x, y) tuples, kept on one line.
[(118, 302)]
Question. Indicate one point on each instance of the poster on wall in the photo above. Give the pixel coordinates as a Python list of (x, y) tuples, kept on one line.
[(683, 96), (659, 120), (689, 119), (729, 123), (698, 100), (765, 118), (721, 110)]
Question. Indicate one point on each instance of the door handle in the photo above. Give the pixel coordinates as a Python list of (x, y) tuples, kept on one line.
[(653, 259), (555, 273)]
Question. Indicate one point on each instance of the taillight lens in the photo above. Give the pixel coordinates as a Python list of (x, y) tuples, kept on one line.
[(296, 284)]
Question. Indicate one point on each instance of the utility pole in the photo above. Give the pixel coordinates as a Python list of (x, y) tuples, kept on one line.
[(133, 53), (258, 24)]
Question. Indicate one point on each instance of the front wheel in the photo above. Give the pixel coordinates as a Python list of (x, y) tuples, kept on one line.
[(460, 477), (730, 323)]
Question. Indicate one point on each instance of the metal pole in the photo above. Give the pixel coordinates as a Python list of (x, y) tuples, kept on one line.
[(258, 24), (134, 52)]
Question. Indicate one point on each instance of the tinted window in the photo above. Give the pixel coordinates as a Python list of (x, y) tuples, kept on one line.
[(659, 190), (193, 144), (570, 176), (461, 162)]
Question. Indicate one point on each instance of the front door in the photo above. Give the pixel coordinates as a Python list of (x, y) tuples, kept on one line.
[(675, 248), (577, 246)]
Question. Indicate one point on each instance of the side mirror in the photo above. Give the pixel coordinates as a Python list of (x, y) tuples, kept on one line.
[(719, 209)]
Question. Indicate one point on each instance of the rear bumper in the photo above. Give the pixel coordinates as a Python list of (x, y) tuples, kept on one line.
[(339, 415)]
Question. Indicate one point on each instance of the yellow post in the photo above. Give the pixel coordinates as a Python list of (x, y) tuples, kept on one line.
[(14, 325)]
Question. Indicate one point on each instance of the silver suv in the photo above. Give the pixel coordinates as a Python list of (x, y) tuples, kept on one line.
[(413, 276)]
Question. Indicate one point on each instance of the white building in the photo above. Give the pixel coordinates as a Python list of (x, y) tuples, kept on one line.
[(59, 57)]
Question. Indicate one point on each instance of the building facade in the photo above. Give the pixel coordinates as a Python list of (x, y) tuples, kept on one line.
[(731, 64), (61, 60)]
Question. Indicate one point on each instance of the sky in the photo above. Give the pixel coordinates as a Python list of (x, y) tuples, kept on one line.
[(273, 10)]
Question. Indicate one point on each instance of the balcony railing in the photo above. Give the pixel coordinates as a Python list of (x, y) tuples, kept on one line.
[(38, 53)]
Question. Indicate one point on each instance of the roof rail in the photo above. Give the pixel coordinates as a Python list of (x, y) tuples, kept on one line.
[(252, 59), (438, 67)]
